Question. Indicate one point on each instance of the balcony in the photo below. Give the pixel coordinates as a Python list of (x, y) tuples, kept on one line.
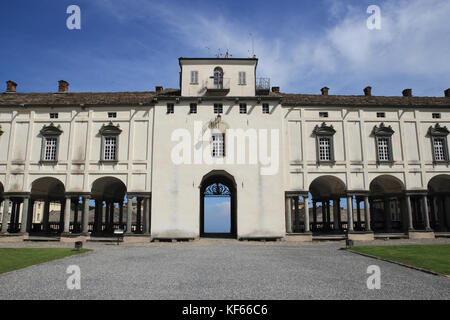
[(217, 86), (262, 86)]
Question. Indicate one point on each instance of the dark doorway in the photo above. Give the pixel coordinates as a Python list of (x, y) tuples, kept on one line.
[(218, 192)]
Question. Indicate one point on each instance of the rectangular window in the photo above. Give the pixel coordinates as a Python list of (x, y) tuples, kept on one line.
[(218, 108), (242, 80), (439, 149), (243, 108), (194, 77), (265, 108), (324, 149), (384, 154), (218, 145), (110, 148), (436, 115), (50, 149), (170, 108), (381, 115), (112, 115), (53, 115), (193, 108), (323, 114)]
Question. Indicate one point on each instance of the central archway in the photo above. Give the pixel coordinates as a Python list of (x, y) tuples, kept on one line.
[(219, 183)]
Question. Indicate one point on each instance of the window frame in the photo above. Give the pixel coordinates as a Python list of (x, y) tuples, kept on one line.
[(438, 132), (194, 77), (53, 115), (386, 133), (112, 115), (50, 132), (328, 132), (109, 131), (242, 78), (323, 114), (243, 107), (192, 108), (436, 115), (222, 154), (265, 108), (170, 108), (218, 105), (381, 114)]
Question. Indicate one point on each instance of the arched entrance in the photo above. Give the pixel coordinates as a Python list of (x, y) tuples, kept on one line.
[(47, 206), (218, 184), (386, 204), (328, 217), (439, 199), (107, 192)]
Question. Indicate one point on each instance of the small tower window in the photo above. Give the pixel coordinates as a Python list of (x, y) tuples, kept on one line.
[(242, 78), (436, 115), (381, 115), (323, 114), (265, 108), (193, 108), (194, 77), (218, 108), (243, 108), (54, 115), (112, 114), (218, 145), (170, 108)]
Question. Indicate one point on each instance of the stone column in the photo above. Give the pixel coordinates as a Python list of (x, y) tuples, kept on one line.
[(12, 218), (67, 215), (75, 215), (121, 213), (5, 217), (426, 213), (409, 213), (288, 209), (336, 206), (314, 214), (358, 213), (46, 217), (85, 216), (129, 215), (306, 208), (138, 215), (104, 216), (328, 215), (17, 215), (24, 223), (367, 213), (350, 213), (111, 216), (146, 216), (388, 217)]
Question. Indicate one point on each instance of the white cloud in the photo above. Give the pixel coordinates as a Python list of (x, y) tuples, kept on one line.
[(413, 45)]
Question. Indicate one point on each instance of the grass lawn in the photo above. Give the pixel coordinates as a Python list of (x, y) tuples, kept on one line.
[(13, 259), (435, 257)]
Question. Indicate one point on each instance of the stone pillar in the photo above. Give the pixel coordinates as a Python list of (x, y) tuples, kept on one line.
[(426, 213), (328, 215), (409, 213), (104, 216), (367, 213), (350, 213), (129, 215), (25, 217), (75, 215), (12, 218), (296, 223), (111, 216), (358, 213), (67, 215), (46, 217), (146, 219), (121, 213), (17, 215), (30, 215), (85, 216), (5, 217), (306, 208), (288, 209), (314, 214), (336, 206), (61, 216), (138, 215)]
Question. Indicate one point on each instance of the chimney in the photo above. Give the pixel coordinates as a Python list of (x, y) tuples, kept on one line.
[(447, 93), (407, 93), (159, 88), (368, 91), (276, 89), (11, 86), (63, 86), (324, 91)]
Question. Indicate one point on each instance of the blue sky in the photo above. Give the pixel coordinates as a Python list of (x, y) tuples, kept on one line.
[(134, 45)]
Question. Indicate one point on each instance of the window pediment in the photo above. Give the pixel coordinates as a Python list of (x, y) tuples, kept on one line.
[(439, 131), (324, 130), (51, 130), (382, 130), (110, 130)]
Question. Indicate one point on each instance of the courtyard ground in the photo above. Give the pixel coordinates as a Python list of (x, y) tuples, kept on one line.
[(221, 269)]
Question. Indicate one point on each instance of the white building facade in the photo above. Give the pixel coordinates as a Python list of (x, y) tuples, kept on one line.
[(224, 133)]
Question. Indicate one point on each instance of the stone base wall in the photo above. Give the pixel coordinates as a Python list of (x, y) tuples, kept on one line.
[(363, 236), (421, 235), (300, 237)]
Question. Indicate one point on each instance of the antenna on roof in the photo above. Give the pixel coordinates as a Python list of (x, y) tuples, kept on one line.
[(219, 54), (228, 55)]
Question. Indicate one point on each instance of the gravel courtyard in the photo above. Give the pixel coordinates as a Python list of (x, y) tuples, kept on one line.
[(219, 269)]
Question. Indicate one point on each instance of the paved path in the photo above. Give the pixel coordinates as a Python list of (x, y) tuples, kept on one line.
[(221, 270)]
